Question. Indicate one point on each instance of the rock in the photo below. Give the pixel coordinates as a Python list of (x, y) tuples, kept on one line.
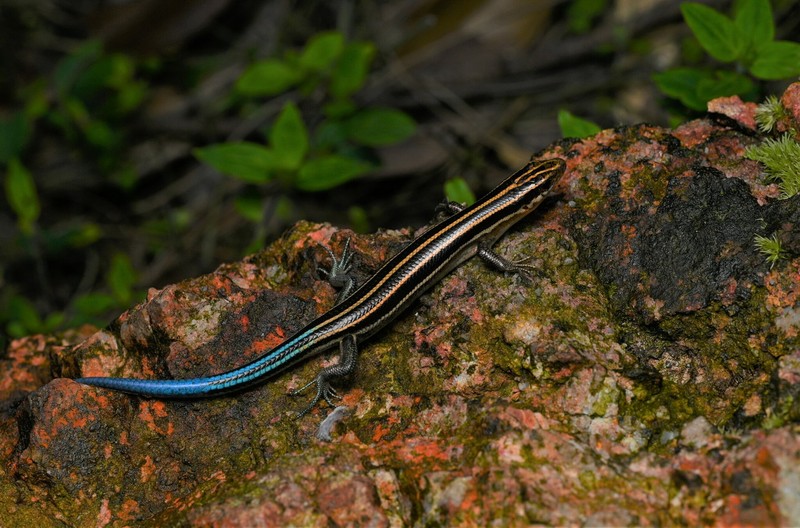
[(648, 375)]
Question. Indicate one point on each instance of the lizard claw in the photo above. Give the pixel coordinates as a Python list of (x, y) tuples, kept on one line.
[(324, 391)]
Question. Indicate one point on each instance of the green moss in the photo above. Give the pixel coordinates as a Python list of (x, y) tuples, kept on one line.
[(785, 412), (770, 247), (781, 157), (23, 505), (720, 368), (588, 480), (769, 113), (607, 394)]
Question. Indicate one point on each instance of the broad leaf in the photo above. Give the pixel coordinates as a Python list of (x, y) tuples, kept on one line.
[(574, 126), (753, 21), (91, 305), (24, 316), (246, 161), (21, 195), (121, 277), (14, 134), (330, 135), (289, 138), (777, 60), (723, 84), (322, 50), (328, 172), (71, 66), (376, 127), (250, 206), (715, 31), (581, 14), (681, 84), (457, 190), (269, 77), (351, 70)]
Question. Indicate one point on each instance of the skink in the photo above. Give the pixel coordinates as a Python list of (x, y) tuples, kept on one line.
[(402, 279)]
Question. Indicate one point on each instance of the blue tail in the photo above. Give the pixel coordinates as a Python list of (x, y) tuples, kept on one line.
[(165, 388), (274, 361)]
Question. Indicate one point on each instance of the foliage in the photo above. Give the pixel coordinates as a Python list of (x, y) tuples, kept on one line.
[(295, 155), (21, 195), (770, 247), (782, 159), (746, 38), (457, 190), (89, 93), (574, 126), (20, 316), (581, 14)]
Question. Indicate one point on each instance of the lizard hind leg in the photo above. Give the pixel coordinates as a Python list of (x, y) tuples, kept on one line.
[(348, 349)]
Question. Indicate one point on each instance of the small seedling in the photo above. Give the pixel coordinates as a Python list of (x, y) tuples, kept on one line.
[(769, 113), (770, 247)]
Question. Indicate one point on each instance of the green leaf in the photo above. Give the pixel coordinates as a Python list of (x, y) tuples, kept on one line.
[(52, 321), (77, 111), (246, 161), (94, 76), (457, 190), (100, 134), (121, 277), (250, 207), (328, 172), (14, 329), (90, 305), (122, 72), (289, 138), (715, 31), (36, 100), (130, 96), (694, 88), (681, 84), (581, 14), (359, 219), (83, 235), (777, 60), (722, 84), (351, 69), (339, 109), (21, 195), (576, 127), (285, 209), (269, 77), (753, 20), (23, 317), (375, 127), (125, 176), (330, 135), (14, 133), (71, 66), (322, 50)]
